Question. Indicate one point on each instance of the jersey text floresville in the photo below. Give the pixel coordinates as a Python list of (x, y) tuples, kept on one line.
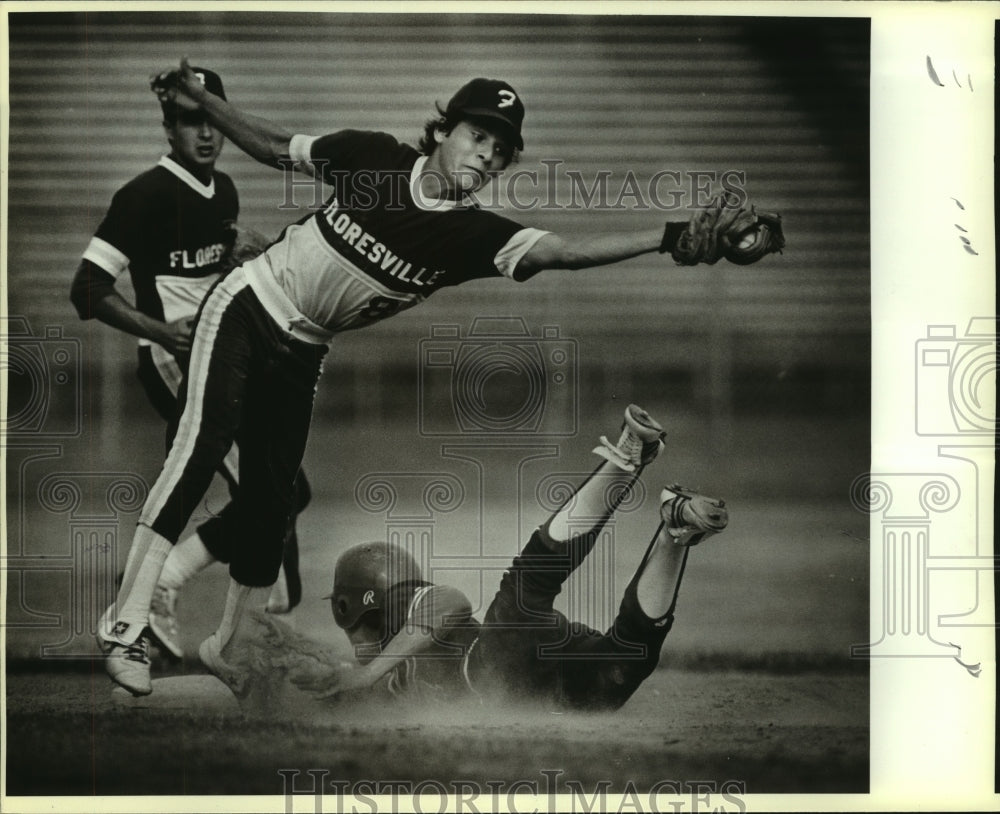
[(204, 256), (376, 252)]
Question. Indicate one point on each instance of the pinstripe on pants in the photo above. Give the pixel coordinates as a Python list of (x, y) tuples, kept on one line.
[(251, 383)]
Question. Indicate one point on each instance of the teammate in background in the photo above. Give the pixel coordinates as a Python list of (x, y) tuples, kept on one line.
[(419, 640), (173, 228), (399, 226)]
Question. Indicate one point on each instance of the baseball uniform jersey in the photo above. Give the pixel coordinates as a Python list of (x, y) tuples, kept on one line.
[(378, 245), (170, 231)]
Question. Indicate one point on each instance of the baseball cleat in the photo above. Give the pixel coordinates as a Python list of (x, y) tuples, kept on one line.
[(210, 653), (640, 442), (128, 664), (166, 634), (690, 517)]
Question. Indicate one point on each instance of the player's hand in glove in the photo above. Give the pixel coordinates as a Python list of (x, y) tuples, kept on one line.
[(246, 245), (179, 86), (723, 228)]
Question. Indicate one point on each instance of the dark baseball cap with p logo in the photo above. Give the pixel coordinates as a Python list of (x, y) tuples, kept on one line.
[(212, 83), (491, 99)]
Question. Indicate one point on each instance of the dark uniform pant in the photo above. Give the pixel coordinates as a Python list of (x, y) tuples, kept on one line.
[(250, 383), (529, 651), (161, 377)]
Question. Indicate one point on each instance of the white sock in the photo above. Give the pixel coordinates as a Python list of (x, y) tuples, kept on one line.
[(237, 598), (125, 619), (188, 557), (660, 580), (590, 503)]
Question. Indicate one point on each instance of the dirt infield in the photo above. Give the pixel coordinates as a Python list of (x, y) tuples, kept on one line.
[(756, 689), (756, 686), (759, 732)]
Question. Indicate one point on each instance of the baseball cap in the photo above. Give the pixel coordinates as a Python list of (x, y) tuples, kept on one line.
[(212, 83), (490, 99)]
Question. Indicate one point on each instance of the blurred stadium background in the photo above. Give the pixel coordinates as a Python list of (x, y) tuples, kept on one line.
[(761, 374)]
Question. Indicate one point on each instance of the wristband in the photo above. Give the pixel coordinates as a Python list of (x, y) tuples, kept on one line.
[(671, 234)]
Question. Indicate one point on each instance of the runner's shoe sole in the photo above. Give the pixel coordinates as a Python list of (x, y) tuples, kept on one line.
[(691, 517)]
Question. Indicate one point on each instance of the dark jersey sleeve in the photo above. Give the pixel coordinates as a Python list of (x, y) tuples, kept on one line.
[(91, 284), (477, 239), (124, 223), (339, 155), (426, 606), (226, 190), (100, 268), (439, 608)]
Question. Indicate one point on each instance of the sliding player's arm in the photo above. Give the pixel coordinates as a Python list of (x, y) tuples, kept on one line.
[(434, 613)]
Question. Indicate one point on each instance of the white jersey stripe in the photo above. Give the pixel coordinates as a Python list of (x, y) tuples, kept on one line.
[(205, 190), (187, 435), (418, 594), (103, 254), (170, 374), (431, 204), (300, 151), (465, 666), (520, 243)]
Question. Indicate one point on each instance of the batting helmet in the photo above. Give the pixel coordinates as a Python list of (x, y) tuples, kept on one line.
[(363, 576)]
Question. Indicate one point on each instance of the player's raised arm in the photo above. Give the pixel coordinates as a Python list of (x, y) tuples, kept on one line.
[(727, 227), (257, 137)]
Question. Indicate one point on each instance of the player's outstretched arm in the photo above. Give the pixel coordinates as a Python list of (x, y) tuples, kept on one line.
[(553, 251), (257, 137), (726, 227)]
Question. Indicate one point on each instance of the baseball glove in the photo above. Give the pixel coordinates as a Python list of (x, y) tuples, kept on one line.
[(246, 245), (725, 229)]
